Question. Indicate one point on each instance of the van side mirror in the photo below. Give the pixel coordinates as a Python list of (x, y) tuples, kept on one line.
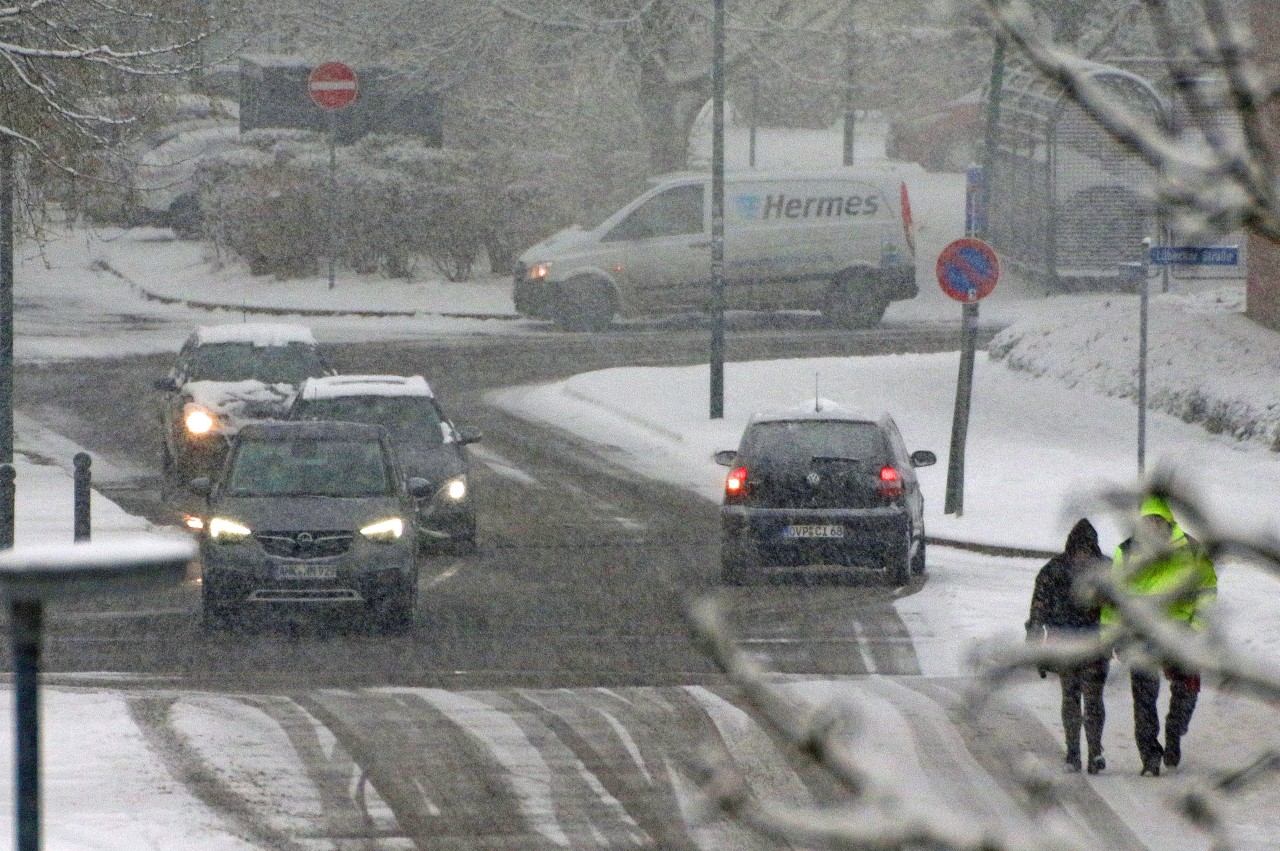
[(167, 384), (419, 486), (469, 434), (202, 486), (923, 458), (726, 457)]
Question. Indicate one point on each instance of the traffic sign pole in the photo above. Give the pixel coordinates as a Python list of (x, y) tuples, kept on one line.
[(967, 272), (332, 86)]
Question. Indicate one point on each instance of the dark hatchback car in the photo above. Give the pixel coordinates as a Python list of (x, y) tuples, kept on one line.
[(309, 514), (822, 487), (427, 444), (224, 377)]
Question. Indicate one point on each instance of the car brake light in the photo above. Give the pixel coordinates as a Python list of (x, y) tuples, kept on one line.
[(890, 482), (735, 484)]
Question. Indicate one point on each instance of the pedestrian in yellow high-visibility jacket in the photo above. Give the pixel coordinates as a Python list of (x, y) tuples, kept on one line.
[(1187, 566)]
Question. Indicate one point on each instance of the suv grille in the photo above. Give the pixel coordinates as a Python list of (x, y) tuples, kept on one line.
[(823, 483), (305, 545)]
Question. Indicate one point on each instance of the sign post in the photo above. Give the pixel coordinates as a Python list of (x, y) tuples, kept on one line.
[(332, 86), (967, 271)]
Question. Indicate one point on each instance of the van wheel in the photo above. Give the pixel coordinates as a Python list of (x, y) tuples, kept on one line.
[(898, 564), (852, 302), (918, 563), (582, 304)]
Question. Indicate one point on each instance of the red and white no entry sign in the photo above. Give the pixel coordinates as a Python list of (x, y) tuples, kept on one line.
[(332, 85)]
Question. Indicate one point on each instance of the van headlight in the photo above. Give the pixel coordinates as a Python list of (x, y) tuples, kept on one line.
[(539, 271), (226, 531), (384, 530)]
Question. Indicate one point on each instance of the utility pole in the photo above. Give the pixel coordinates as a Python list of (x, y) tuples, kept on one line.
[(717, 212)]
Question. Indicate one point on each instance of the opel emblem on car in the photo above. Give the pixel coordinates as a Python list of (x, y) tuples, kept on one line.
[(813, 478), (304, 539)]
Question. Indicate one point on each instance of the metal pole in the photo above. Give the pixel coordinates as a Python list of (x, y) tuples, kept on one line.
[(755, 110), (850, 75), (717, 213), (81, 497), (333, 191), (1142, 372), (7, 514), (26, 617), (6, 299), (953, 502)]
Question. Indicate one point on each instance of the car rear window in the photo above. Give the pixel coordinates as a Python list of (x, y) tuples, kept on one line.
[(290, 364), (309, 467), (800, 441), (408, 419)]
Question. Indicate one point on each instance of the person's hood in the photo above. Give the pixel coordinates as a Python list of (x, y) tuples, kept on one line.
[(1083, 538), (1157, 505), (307, 513)]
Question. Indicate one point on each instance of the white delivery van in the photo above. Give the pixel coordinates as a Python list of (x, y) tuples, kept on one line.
[(836, 241)]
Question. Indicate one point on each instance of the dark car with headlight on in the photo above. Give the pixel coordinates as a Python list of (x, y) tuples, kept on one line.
[(310, 514), (224, 377), (822, 487), (427, 444)]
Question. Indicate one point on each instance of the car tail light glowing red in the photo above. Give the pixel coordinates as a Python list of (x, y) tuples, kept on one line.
[(890, 482), (735, 484)]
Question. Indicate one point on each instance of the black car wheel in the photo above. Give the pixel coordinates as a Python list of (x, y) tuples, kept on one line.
[(393, 613), (898, 562), (216, 614), (733, 573), (917, 562)]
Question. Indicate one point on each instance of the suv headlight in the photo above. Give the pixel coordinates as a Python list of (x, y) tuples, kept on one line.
[(384, 530), (539, 271), (198, 420), (226, 531), (455, 489)]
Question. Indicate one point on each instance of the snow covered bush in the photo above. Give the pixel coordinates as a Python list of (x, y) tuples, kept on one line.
[(394, 202)]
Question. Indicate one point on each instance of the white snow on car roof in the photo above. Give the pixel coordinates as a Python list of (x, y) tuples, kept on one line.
[(819, 409), (255, 334), (334, 386)]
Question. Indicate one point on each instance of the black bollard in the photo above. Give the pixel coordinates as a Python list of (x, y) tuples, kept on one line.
[(83, 478), (27, 617), (7, 491)]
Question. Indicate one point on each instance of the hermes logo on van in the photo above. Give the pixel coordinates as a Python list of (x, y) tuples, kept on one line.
[(827, 206)]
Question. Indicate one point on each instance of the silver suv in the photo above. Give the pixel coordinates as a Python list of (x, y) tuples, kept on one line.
[(822, 487)]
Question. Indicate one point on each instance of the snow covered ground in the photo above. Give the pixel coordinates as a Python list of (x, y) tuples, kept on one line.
[(1044, 439)]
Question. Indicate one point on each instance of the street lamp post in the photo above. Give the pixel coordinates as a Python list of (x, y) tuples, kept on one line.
[(31, 576)]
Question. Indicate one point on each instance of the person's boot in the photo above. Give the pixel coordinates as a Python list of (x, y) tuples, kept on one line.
[(1151, 765), (1096, 763), (1072, 760), (1172, 750)]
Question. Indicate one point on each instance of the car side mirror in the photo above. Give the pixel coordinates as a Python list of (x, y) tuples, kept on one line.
[(726, 457), (202, 486), (419, 486), (923, 458), (166, 384), (469, 434)]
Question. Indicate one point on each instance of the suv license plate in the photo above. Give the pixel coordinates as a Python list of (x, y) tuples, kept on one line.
[(813, 531), (306, 571)]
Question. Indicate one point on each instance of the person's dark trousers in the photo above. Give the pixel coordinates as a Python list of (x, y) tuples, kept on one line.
[(1184, 688), (1146, 718), (1084, 686)]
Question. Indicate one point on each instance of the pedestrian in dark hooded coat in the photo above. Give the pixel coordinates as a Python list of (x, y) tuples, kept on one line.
[(1059, 611)]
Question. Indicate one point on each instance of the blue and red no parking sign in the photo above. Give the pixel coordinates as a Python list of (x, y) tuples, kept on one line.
[(968, 269)]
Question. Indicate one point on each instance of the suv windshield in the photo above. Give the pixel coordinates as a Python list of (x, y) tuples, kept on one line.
[(406, 418), (289, 364), (309, 467), (800, 441)]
